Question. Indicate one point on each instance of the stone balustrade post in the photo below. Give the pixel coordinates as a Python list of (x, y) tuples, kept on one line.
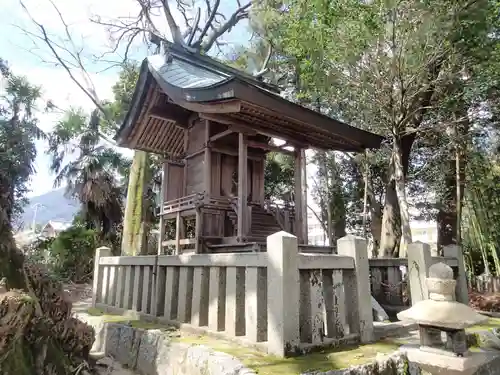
[(98, 281), (419, 261), (462, 292), (283, 293), (357, 287)]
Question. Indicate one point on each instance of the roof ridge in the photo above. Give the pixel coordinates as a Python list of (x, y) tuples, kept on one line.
[(210, 64)]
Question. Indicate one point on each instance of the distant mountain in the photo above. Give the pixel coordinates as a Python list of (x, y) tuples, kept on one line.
[(51, 206)]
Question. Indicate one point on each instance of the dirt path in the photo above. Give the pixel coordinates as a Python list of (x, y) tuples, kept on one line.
[(81, 297)]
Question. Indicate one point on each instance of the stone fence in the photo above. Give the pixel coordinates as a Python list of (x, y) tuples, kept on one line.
[(389, 284), (281, 301)]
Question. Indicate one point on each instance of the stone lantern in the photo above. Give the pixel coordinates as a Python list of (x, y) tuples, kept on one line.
[(441, 313)]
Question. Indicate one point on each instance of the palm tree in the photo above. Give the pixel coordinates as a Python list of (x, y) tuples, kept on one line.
[(94, 175), (42, 335), (18, 132)]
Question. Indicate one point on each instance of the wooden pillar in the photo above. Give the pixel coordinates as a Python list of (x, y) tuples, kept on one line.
[(198, 231), (184, 177), (303, 182), (300, 197), (208, 160), (179, 232), (242, 186), (163, 195)]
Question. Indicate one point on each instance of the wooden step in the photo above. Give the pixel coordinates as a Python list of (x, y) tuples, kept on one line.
[(244, 247)]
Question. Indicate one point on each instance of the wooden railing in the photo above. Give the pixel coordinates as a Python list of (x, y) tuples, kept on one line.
[(182, 204), (283, 213)]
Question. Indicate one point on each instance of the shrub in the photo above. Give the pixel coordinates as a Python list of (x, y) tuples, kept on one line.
[(72, 254)]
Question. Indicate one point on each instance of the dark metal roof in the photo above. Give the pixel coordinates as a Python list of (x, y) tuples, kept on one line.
[(189, 78)]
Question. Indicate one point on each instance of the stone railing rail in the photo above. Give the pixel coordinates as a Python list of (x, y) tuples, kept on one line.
[(388, 283), (282, 301)]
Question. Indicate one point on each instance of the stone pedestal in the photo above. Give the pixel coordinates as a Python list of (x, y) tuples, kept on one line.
[(429, 336), (441, 314), (478, 363)]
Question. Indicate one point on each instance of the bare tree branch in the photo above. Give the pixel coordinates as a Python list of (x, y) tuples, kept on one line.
[(210, 20), (90, 91), (321, 222), (174, 28), (194, 28), (263, 70), (240, 14)]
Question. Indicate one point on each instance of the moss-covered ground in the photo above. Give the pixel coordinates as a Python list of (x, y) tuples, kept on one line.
[(264, 364), (490, 324)]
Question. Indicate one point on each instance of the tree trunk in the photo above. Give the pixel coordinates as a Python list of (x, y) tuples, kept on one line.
[(135, 212), (400, 185), (448, 217), (11, 260), (336, 201), (391, 223), (391, 220), (324, 191), (376, 225)]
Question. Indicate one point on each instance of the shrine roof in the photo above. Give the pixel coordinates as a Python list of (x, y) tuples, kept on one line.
[(184, 83)]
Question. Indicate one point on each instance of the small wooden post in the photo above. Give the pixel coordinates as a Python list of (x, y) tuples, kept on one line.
[(184, 177), (208, 160), (242, 186), (179, 231), (163, 198), (303, 187), (300, 196), (198, 230)]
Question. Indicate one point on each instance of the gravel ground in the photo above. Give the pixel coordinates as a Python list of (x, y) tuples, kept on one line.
[(107, 366), (81, 297), (78, 292)]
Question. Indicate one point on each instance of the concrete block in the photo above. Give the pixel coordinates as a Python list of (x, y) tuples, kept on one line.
[(148, 351), (357, 287), (462, 292), (283, 293), (419, 261), (112, 340), (475, 363), (130, 339)]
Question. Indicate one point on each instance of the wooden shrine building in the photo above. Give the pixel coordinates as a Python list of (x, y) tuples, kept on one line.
[(214, 125)]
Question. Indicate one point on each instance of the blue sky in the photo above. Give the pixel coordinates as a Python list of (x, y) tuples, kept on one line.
[(36, 63)]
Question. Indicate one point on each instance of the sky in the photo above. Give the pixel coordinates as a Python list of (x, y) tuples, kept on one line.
[(33, 59)]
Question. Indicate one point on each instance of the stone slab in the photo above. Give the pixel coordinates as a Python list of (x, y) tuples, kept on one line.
[(152, 352), (393, 364), (130, 339), (147, 351), (475, 363), (112, 339)]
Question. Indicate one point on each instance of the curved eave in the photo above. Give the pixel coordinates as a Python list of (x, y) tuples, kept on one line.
[(138, 98), (233, 88)]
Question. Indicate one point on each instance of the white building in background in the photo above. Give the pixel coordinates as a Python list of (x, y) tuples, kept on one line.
[(424, 231), (53, 228), (316, 234)]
